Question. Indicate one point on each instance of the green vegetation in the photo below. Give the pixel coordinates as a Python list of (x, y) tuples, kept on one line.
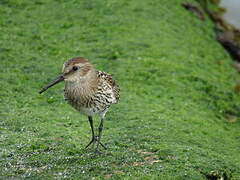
[(178, 117)]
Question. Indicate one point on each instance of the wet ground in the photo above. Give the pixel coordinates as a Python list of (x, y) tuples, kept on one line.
[(232, 14)]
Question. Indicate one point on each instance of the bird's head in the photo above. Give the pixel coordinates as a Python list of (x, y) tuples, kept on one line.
[(75, 70)]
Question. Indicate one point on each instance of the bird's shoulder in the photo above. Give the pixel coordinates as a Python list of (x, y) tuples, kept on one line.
[(106, 77), (109, 80)]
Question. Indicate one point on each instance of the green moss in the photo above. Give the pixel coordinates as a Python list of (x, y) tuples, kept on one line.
[(176, 92)]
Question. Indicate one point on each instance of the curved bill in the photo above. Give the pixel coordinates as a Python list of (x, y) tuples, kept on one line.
[(55, 81)]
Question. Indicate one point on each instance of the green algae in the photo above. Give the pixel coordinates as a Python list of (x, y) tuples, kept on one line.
[(177, 88)]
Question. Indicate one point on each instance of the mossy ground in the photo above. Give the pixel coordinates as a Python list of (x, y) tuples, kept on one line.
[(176, 92)]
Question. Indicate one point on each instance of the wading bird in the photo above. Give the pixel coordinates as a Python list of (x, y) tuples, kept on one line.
[(89, 91)]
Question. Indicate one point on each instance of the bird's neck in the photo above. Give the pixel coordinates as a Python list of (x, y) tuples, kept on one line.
[(83, 87)]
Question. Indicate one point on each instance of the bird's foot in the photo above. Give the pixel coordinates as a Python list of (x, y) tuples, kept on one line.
[(102, 145), (93, 141)]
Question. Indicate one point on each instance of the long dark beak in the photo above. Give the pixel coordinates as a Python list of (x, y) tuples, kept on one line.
[(55, 81)]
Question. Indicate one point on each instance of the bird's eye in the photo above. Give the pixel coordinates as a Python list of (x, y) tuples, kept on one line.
[(75, 68)]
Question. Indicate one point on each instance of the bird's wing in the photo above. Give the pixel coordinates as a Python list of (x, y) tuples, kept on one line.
[(109, 79)]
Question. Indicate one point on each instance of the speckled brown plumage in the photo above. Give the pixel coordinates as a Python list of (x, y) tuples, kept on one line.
[(97, 99)]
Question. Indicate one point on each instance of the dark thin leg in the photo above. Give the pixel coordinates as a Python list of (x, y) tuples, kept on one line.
[(100, 128), (91, 124)]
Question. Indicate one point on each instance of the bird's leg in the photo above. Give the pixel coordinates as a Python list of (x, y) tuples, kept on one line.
[(92, 128), (100, 128)]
